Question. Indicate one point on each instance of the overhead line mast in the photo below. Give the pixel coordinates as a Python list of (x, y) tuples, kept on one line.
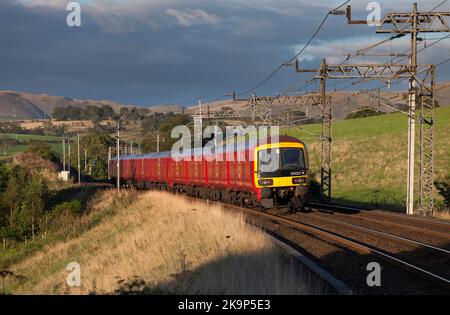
[(413, 23)]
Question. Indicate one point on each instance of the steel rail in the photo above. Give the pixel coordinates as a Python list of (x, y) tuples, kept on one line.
[(383, 213), (374, 232), (348, 242), (390, 223)]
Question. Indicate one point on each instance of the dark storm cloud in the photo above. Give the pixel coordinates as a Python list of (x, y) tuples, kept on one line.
[(168, 52)]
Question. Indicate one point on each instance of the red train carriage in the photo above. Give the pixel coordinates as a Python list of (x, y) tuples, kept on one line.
[(231, 179)]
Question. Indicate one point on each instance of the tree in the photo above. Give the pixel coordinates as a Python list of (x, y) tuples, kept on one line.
[(13, 196), (135, 114), (68, 113), (6, 142), (106, 112), (29, 217), (124, 112), (91, 113), (165, 125), (97, 143)]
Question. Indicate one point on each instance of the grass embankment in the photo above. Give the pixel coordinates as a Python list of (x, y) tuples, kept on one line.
[(95, 204), (166, 244), (370, 154)]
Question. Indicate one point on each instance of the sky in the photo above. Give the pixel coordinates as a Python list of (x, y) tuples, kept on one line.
[(150, 52)]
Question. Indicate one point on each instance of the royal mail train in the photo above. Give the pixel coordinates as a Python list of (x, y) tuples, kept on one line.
[(234, 177)]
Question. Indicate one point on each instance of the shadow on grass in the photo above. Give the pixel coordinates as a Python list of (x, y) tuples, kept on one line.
[(233, 275), (227, 276), (80, 193)]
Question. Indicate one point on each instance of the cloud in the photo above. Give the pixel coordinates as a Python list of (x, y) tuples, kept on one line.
[(58, 4), (112, 16), (164, 51), (335, 51), (190, 17)]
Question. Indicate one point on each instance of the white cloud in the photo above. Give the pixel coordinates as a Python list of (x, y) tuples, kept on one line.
[(120, 16), (189, 17), (334, 51), (59, 4)]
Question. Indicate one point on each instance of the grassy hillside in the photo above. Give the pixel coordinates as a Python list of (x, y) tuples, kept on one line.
[(164, 244), (369, 157)]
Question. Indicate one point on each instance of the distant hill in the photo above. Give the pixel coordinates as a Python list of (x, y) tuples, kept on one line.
[(13, 104), (38, 106), (48, 102), (344, 103), (23, 105), (443, 93)]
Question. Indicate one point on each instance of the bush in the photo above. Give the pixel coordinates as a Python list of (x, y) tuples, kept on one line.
[(34, 163), (367, 112), (444, 190), (43, 150), (73, 207), (314, 188)]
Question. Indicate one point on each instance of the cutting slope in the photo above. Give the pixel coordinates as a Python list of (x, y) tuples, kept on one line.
[(166, 244)]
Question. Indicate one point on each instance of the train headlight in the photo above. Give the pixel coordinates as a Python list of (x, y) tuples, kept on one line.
[(299, 180), (265, 182)]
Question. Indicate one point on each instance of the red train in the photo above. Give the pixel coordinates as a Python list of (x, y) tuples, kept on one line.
[(245, 182)]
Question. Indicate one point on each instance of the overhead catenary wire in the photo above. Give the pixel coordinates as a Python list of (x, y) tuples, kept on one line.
[(362, 51), (438, 6), (403, 57), (392, 60), (314, 35), (278, 68)]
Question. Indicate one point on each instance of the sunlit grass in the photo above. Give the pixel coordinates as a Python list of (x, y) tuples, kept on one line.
[(369, 157), (166, 244)]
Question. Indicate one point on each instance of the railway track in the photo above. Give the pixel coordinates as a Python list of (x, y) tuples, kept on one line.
[(430, 258), (399, 228), (410, 221), (368, 241)]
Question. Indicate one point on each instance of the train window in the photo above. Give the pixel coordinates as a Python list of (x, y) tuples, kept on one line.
[(284, 159), (292, 159), (268, 160)]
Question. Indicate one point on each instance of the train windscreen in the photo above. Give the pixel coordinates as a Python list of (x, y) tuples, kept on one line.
[(280, 161)]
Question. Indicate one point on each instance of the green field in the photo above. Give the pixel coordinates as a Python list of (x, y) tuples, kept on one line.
[(34, 137), (370, 154), (54, 141)]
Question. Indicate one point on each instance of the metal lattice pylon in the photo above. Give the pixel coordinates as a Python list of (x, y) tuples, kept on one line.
[(426, 107), (326, 158)]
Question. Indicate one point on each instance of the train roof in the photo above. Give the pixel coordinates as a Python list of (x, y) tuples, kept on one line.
[(189, 152)]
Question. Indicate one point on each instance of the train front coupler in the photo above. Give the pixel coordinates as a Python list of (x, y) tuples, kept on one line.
[(299, 199)]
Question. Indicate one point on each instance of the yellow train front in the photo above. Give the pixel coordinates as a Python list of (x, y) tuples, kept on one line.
[(281, 173)]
